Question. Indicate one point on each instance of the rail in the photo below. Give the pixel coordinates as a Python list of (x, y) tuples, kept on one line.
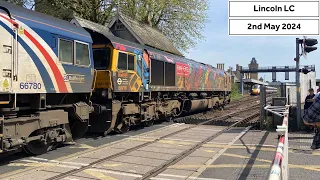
[(280, 169)]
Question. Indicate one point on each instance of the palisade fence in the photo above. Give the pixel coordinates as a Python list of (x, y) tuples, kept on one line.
[(279, 168)]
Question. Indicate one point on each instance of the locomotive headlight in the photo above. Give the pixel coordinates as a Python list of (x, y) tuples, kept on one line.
[(104, 93)]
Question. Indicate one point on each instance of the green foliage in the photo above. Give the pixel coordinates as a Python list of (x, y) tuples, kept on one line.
[(235, 92), (98, 11), (182, 21), (24, 3)]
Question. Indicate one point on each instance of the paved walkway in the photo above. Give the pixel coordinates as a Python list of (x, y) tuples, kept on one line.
[(235, 154), (250, 157)]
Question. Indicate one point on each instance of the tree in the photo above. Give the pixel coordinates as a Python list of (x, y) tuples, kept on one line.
[(182, 21), (25, 3), (99, 11)]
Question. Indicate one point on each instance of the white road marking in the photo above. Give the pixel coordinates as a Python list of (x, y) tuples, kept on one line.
[(124, 135), (59, 162), (155, 178), (181, 140), (67, 178), (184, 177), (206, 129), (44, 164), (29, 161)]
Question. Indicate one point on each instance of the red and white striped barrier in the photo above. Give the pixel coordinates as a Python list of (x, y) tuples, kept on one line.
[(279, 169)]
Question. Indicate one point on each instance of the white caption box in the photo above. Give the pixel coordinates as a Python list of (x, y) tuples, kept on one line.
[(273, 8), (273, 27)]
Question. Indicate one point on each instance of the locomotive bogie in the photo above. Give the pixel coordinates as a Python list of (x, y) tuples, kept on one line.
[(47, 127)]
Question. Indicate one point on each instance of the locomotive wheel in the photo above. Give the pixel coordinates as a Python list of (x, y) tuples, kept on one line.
[(38, 147), (148, 123), (78, 128)]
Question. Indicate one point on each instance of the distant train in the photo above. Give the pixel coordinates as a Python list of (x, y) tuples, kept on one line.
[(255, 90)]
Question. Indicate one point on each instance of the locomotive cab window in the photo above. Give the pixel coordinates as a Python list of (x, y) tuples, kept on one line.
[(101, 58), (82, 54), (74, 52), (125, 61), (256, 86), (66, 51)]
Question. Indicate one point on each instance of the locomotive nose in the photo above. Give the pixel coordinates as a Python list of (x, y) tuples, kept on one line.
[(254, 91)]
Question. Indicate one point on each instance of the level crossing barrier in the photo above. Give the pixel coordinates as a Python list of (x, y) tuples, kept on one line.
[(280, 169)]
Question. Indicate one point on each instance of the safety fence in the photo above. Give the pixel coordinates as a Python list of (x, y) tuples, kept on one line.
[(280, 169)]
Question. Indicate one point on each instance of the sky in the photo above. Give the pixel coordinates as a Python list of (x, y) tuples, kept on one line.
[(219, 47)]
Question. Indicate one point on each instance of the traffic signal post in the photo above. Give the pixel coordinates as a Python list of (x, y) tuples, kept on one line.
[(307, 46)]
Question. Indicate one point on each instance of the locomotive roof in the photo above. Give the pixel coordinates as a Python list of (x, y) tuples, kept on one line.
[(92, 26), (104, 30), (47, 23), (146, 34)]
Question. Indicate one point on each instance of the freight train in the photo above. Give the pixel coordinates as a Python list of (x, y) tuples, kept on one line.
[(59, 81)]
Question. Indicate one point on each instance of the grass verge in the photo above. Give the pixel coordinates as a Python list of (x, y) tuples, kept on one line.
[(235, 92)]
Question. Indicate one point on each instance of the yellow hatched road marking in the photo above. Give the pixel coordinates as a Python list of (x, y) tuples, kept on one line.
[(20, 172), (254, 147), (98, 175), (82, 146), (240, 147), (141, 139), (307, 167), (174, 142), (220, 166), (268, 165), (209, 151), (111, 165)]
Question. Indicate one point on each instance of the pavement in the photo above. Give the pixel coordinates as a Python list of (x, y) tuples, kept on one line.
[(238, 153)]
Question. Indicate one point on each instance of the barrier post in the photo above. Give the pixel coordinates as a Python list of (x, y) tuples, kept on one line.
[(280, 169), (262, 105)]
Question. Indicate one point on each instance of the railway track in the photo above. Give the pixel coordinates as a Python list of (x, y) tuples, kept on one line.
[(163, 167), (229, 115), (249, 113), (246, 115)]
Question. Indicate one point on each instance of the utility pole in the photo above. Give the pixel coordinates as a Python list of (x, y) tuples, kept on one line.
[(241, 83), (297, 59), (307, 46)]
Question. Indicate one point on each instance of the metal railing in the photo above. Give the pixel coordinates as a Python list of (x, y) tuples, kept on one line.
[(311, 67), (280, 169)]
